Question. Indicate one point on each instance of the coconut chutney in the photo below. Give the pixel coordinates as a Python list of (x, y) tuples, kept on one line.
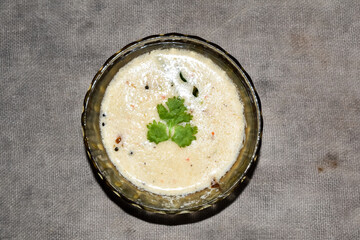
[(130, 104)]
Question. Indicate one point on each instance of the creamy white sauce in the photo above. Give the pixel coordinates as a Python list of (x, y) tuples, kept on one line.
[(128, 106)]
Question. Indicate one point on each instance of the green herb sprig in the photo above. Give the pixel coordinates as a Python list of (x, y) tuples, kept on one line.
[(175, 114)]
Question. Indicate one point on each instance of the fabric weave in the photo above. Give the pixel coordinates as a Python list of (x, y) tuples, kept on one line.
[(303, 57)]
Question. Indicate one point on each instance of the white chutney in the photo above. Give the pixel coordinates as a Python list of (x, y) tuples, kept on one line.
[(129, 104)]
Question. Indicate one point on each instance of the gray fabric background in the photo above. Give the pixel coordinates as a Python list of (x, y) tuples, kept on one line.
[(303, 57)]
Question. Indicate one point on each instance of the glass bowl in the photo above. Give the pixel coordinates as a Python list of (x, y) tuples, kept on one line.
[(123, 188)]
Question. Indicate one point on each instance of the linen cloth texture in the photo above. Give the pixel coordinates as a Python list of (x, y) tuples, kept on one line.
[(304, 60)]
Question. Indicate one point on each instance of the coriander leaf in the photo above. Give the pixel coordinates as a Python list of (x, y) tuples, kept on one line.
[(164, 113), (183, 136), (176, 113), (157, 132), (176, 104), (173, 113)]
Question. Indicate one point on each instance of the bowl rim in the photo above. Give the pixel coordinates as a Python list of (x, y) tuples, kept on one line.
[(249, 83)]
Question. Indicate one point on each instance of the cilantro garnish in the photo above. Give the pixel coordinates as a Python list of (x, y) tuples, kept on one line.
[(183, 136), (173, 115), (157, 132), (176, 113)]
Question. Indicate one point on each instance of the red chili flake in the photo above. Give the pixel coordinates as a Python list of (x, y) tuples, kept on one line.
[(215, 184), (118, 140), (212, 133), (130, 84), (132, 106), (188, 159), (163, 97)]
